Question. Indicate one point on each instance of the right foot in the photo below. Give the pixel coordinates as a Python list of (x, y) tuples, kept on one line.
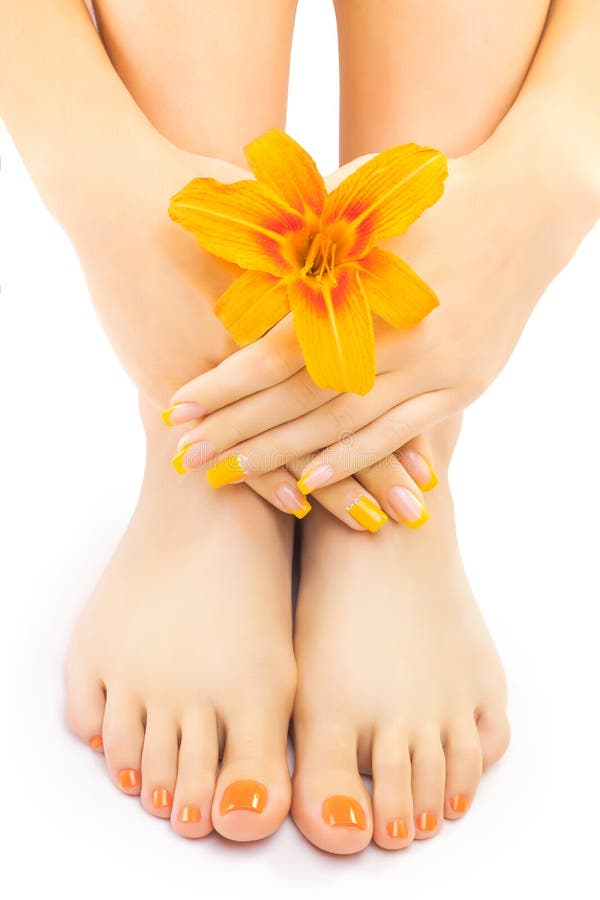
[(184, 652)]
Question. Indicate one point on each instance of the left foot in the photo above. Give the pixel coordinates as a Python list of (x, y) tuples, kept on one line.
[(398, 678)]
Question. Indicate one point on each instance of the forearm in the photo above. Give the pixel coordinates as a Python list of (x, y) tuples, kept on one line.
[(555, 121), (66, 108)]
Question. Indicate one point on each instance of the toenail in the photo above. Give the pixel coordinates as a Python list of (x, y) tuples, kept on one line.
[(426, 822), (340, 810), (251, 795), (459, 803), (189, 815), (397, 828), (96, 744), (129, 778), (161, 798)]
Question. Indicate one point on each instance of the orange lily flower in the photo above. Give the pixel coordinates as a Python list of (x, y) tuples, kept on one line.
[(313, 253)]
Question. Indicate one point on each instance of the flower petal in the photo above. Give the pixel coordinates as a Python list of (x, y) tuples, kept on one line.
[(393, 290), (335, 331), (253, 304), (383, 197), (245, 223), (280, 162)]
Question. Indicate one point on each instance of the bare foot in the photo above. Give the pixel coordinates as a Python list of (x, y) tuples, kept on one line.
[(184, 651), (398, 677)]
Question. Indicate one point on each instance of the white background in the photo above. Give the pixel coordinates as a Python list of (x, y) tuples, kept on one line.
[(527, 490)]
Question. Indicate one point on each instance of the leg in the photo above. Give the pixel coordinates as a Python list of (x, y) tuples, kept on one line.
[(149, 673), (418, 697)]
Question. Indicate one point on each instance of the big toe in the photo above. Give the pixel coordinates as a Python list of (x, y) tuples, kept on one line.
[(330, 804), (253, 792)]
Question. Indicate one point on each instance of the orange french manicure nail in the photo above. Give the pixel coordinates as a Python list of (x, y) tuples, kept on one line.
[(129, 778), (340, 810), (96, 744), (366, 513), (228, 470), (420, 469), (459, 803), (161, 798), (426, 822), (180, 413), (189, 815), (250, 795), (397, 829)]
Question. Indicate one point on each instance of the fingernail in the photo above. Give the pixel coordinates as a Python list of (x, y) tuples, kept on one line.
[(181, 412), (189, 815), (251, 795), (96, 744), (227, 471), (366, 513), (426, 822), (294, 502), (315, 478), (408, 507), (341, 810), (459, 803), (161, 798), (419, 469), (193, 456), (129, 778), (397, 829)]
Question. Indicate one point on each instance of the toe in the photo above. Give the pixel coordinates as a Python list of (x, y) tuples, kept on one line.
[(196, 773), (428, 777), (330, 804), (123, 737), (253, 792), (85, 707), (159, 763), (494, 733), (393, 817), (464, 765)]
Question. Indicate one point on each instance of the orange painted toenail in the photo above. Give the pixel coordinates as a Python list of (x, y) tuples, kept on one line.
[(459, 803), (96, 744), (161, 798), (129, 778), (189, 815), (426, 822), (340, 810), (397, 829), (251, 795)]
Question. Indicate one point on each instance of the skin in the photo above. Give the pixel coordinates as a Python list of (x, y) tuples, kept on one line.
[(540, 161), (430, 714)]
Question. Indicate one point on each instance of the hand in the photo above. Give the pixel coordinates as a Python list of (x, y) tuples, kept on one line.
[(500, 233), (154, 288)]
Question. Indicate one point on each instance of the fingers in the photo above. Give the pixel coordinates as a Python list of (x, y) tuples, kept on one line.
[(378, 439), (285, 444), (251, 416), (281, 490), (266, 362), (395, 490), (417, 458), (347, 500), (363, 503)]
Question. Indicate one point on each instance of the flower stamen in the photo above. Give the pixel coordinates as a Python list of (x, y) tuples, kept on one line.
[(320, 259)]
